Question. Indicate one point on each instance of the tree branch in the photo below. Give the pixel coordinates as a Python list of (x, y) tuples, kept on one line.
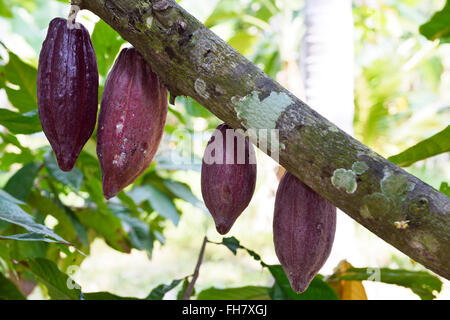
[(192, 61), (188, 293)]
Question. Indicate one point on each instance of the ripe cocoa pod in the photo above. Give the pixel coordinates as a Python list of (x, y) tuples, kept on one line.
[(304, 224), (228, 176), (67, 90), (131, 122)]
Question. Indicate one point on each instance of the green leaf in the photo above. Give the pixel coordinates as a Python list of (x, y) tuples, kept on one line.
[(420, 282), (12, 213), (31, 236), (445, 188), (71, 178), (183, 191), (159, 201), (232, 243), (180, 294), (317, 290), (47, 207), (107, 43), (438, 27), (437, 144), (107, 225), (138, 231), (104, 296), (24, 76), (6, 196), (242, 293), (59, 285), (8, 290), (193, 108), (18, 123), (20, 184), (160, 291), (5, 10)]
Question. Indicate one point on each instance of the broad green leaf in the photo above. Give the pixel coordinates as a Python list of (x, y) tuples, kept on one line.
[(31, 236), (317, 290), (437, 144), (438, 27), (106, 225), (47, 207), (193, 108), (5, 10), (20, 184), (232, 243), (59, 285), (107, 43), (104, 296), (6, 196), (128, 202), (420, 282), (159, 201), (22, 250), (160, 291), (24, 76), (8, 290), (12, 213), (138, 231), (445, 188), (242, 293), (243, 42), (17, 123), (176, 161), (183, 191), (71, 178)]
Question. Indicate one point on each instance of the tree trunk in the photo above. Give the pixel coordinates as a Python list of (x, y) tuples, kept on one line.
[(191, 60)]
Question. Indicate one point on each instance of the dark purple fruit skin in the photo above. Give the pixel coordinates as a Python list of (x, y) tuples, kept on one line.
[(131, 122), (228, 188), (67, 90), (304, 225)]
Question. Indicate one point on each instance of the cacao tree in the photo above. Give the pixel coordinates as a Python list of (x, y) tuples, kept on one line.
[(49, 217)]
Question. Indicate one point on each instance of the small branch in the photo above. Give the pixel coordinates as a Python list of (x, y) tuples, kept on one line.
[(190, 288)]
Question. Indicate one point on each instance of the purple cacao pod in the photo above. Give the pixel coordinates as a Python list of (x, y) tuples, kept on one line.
[(304, 224), (228, 176), (67, 90), (131, 122)]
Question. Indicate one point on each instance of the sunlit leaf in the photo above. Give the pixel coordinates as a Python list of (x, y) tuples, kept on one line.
[(242, 293), (159, 201), (18, 123), (420, 282), (24, 76), (59, 285), (8, 290), (106, 43), (71, 178), (348, 289), (20, 184), (12, 213), (160, 291), (445, 188), (437, 144), (439, 25)]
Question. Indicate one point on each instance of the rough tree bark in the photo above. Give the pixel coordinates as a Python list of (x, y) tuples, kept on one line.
[(192, 61)]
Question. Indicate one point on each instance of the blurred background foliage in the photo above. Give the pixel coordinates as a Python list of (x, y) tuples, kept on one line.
[(54, 224)]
